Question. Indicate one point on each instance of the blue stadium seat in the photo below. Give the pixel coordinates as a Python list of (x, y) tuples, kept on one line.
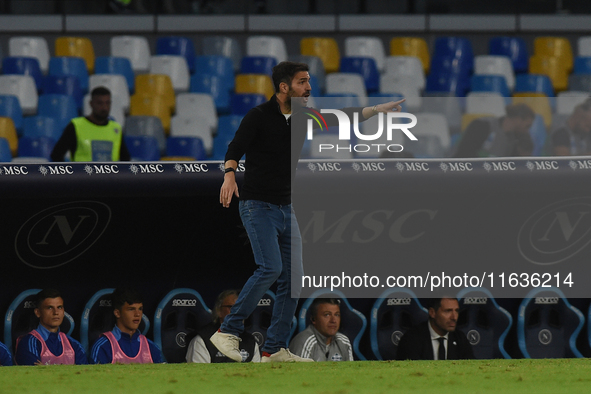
[(21, 65), (213, 85), (513, 47), (142, 147), (534, 83), (315, 86), (242, 103), (538, 135), (41, 126), (5, 154), (548, 325), (20, 318), (65, 84), (66, 65), (257, 65), (10, 107), (98, 318), (490, 83), (175, 45), (217, 65), (447, 83), (338, 100), (260, 320), (394, 312), (366, 67), (186, 147), (484, 322), (582, 65), (116, 65), (58, 106), (178, 316), (227, 126), (455, 47), (353, 323), (35, 147)]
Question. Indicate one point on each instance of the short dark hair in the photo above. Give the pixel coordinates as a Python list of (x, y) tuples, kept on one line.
[(285, 71), (100, 91), (435, 303), (219, 302), (522, 111), (122, 295), (44, 294), (319, 301)]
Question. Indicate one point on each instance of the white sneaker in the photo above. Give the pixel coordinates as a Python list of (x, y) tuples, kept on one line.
[(228, 344), (285, 356)]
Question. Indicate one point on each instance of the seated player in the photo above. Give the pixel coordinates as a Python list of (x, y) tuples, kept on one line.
[(5, 356)]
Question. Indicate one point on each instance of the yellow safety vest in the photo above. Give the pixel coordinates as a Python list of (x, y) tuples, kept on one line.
[(95, 142)]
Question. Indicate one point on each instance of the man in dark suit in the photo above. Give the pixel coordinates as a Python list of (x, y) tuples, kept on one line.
[(437, 338)]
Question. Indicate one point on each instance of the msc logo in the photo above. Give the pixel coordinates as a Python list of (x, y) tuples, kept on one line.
[(56, 170), (580, 164), (187, 302), (461, 166), (264, 302), (414, 166), (398, 301), (146, 168), (556, 232), (542, 165), (101, 169), (368, 167), (546, 300), (320, 167), (240, 167), (59, 234), (14, 170), (193, 167), (475, 300), (473, 337), (500, 166)]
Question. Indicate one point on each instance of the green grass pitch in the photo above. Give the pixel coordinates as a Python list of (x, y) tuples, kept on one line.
[(479, 376)]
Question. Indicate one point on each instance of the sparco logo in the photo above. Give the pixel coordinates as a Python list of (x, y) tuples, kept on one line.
[(368, 167), (398, 301), (59, 234), (475, 300), (105, 303), (556, 232), (14, 170), (29, 305), (186, 302), (546, 300), (264, 302)]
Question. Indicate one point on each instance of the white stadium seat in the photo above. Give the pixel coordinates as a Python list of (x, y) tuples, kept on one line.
[(116, 83), (406, 67), (366, 47), (31, 47), (135, 48), (495, 65), (192, 127), (175, 67), (198, 105), (485, 103), (347, 83), (23, 87), (267, 46)]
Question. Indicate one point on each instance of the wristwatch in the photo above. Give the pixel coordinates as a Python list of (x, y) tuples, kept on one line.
[(229, 169)]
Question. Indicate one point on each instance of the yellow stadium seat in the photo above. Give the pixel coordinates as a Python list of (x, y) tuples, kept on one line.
[(325, 48), (76, 46), (539, 103), (553, 67), (555, 47), (411, 46), (156, 84), (8, 131), (177, 158), (468, 118), (151, 105), (255, 83)]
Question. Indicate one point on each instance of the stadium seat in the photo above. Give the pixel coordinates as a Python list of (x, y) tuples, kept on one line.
[(194, 126), (255, 83), (448, 105), (214, 86), (315, 66), (178, 317), (35, 147), (70, 66), (484, 322), (10, 107), (584, 46), (64, 84), (580, 82), (582, 65), (513, 47), (364, 66), (179, 46), (149, 126), (5, 153), (495, 65), (227, 126), (23, 87), (567, 101), (31, 47), (223, 46), (151, 106), (408, 88), (41, 126), (459, 48), (173, 66), (257, 65), (186, 147), (548, 325), (142, 148), (490, 84), (58, 106), (534, 83), (556, 47), (20, 318), (411, 46), (433, 136), (485, 103), (347, 83), (198, 105), (553, 68), (273, 46), (116, 65), (358, 46), (353, 323), (117, 85), (406, 67), (240, 104), (134, 48), (394, 312), (156, 85), (8, 132), (325, 48), (221, 66), (76, 47), (98, 318), (538, 102), (443, 82), (260, 320), (18, 65)]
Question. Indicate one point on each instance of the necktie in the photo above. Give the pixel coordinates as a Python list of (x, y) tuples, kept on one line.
[(441, 352)]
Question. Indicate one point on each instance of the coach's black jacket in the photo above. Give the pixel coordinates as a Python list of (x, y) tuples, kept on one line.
[(415, 344)]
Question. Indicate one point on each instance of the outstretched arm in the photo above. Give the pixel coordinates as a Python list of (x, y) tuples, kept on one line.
[(392, 106)]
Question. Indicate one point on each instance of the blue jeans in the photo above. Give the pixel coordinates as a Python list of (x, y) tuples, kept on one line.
[(277, 247)]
